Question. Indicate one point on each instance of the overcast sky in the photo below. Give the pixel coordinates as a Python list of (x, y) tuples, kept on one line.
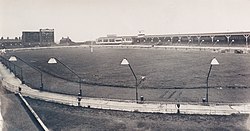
[(88, 19)]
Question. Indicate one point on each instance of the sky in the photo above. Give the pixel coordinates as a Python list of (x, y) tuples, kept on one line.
[(83, 20)]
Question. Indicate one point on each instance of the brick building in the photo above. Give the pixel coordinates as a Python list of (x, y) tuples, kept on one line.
[(43, 37)]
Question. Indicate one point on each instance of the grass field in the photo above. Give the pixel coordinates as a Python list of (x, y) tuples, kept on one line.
[(64, 118), (14, 114), (171, 75)]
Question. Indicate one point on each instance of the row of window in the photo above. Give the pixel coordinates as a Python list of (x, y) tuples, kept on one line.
[(115, 40), (11, 44), (19, 44)]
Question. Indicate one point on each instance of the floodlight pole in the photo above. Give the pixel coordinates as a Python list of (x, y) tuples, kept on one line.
[(21, 72), (125, 62), (207, 82), (213, 62), (41, 74), (136, 84), (80, 79)]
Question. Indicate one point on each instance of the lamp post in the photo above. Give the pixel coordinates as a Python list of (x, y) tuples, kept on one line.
[(202, 41), (21, 72), (53, 60), (189, 42), (125, 62), (5, 61), (15, 58), (213, 62), (231, 42), (217, 41), (179, 41)]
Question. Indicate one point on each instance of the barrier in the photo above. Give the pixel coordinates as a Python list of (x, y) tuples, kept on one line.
[(14, 85), (42, 125)]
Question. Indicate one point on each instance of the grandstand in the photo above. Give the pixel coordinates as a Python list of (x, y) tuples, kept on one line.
[(234, 39), (114, 40)]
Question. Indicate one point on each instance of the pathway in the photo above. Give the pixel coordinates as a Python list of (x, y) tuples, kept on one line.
[(12, 84)]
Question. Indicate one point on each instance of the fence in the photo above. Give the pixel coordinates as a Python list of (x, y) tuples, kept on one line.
[(126, 105), (123, 105), (15, 69)]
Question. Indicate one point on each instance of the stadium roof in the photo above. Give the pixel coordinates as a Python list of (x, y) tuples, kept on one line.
[(201, 34)]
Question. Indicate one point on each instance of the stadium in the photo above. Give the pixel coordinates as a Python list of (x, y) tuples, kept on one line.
[(83, 65), (169, 69), (224, 39), (172, 76)]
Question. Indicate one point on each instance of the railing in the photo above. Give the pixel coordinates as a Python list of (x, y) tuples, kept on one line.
[(12, 67), (32, 93), (126, 105), (42, 126)]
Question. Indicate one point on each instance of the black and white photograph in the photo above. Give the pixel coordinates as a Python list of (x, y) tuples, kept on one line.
[(124, 65)]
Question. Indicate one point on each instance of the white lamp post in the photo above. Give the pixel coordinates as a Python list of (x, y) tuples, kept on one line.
[(189, 42), (125, 62), (15, 58), (231, 42), (15, 72), (217, 41), (179, 41), (55, 61), (168, 42), (202, 41), (213, 62)]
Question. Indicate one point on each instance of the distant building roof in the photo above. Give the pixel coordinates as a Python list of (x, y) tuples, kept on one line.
[(2, 40)]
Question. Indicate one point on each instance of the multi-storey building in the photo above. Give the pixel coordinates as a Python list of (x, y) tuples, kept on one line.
[(43, 37)]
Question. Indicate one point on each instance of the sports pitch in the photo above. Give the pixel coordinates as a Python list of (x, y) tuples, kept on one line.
[(171, 75)]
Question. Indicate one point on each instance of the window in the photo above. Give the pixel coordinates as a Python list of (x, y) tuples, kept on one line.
[(111, 40)]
